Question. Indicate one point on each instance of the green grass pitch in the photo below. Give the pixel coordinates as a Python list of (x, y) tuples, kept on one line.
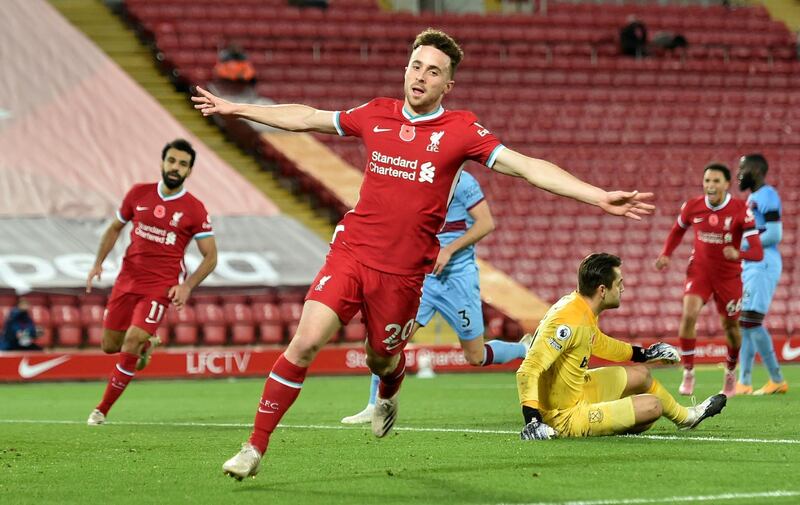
[(456, 441)]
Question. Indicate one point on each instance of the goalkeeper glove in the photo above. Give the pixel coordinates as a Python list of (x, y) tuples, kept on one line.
[(656, 352), (535, 429)]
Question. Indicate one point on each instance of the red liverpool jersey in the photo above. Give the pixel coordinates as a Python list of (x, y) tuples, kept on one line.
[(162, 228), (715, 228), (412, 167)]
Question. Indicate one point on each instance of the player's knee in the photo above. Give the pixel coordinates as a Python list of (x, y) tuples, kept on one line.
[(110, 347)]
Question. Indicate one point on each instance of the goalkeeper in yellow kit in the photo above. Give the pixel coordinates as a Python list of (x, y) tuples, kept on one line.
[(560, 396)]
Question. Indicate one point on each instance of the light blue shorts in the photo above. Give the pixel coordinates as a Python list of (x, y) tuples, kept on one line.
[(457, 297), (759, 282)]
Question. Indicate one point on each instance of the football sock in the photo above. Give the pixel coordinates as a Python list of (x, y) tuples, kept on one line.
[(762, 341), (671, 409), (746, 356), (390, 384), (373, 388), (497, 352), (732, 358), (120, 378), (687, 352), (280, 391)]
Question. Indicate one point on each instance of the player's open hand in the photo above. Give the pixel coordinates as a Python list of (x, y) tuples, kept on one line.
[(442, 260), (96, 271), (630, 204), (662, 352), (179, 295), (730, 253), (662, 262), (209, 104), (537, 430)]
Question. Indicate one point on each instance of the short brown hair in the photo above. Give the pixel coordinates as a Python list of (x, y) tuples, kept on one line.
[(597, 270), (444, 43)]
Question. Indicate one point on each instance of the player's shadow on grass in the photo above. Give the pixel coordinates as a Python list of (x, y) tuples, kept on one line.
[(429, 484)]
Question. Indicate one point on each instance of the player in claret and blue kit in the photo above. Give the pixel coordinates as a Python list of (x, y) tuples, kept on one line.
[(453, 287), (760, 278), (382, 249)]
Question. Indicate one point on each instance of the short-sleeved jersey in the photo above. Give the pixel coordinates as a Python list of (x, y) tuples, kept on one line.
[(714, 228), (162, 228), (553, 373), (412, 165), (468, 194), (765, 204)]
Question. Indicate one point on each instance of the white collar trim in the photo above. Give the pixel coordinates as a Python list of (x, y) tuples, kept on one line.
[(168, 198), (720, 206)]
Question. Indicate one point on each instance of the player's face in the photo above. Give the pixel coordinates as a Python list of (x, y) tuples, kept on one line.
[(746, 177), (613, 295), (715, 186), (427, 79), (175, 168)]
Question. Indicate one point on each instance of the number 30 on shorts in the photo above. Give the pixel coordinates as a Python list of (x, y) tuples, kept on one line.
[(156, 312), (733, 306)]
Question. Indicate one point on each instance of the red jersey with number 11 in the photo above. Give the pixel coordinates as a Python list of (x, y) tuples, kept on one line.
[(412, 167), (163, 225)]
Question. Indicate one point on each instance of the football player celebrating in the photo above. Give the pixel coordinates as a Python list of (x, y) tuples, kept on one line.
[(715, 267), (561, 397), (382, 249)]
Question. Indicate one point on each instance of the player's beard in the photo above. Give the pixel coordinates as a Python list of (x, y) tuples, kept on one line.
[(746, 182), (172, 183)]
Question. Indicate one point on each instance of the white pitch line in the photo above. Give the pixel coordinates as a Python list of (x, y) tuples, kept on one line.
[(670, 499), (397, 428)]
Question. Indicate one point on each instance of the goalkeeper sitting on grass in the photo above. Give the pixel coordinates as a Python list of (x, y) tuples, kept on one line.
[(560, 396)]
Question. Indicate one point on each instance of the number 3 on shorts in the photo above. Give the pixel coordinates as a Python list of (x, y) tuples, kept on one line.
[(156, 312)]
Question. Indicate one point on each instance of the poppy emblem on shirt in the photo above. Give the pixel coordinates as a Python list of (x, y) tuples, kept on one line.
[(407, 132), (713, 220), (160, 211)]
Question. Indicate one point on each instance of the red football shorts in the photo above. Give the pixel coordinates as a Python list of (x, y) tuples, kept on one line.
[(727, 290), (388, 302), (130, 309)]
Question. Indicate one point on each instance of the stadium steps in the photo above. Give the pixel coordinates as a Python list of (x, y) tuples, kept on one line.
[(110, 33), (787, 11)]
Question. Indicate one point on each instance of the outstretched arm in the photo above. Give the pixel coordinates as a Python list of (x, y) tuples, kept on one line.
[(552, 178), (294, 117)]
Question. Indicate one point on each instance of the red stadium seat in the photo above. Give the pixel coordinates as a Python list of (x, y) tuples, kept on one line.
[(239, 318), (212, 320), (183, 325), (92, 320), (66, 319)]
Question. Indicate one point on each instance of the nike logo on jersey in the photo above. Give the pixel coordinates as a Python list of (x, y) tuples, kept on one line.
[(790, 353), (27, 371), (139, 208), (378, 129), (697, 220)]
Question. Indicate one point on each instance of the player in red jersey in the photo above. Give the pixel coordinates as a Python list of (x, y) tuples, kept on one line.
[(715, 267), (381, 249), (165, 219)]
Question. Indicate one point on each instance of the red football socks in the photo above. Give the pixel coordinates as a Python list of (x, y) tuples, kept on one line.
[(687, 352), (280, 391), (390, 385), (122, 375)]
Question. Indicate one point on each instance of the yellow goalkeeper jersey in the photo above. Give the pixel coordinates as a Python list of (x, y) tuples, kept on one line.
[(553, 373)]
